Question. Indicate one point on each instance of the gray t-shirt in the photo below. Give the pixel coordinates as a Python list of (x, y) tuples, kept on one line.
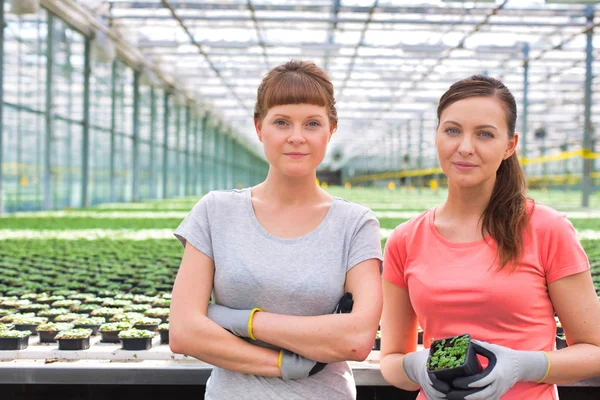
[(302, 276)]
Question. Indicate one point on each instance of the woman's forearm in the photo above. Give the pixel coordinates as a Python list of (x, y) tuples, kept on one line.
[(201, 338), (322, 338), (573, 363), (391, 369)]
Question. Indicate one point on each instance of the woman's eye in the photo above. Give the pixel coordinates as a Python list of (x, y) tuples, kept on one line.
[(314, 124), (280, 122), (452, 131), (486, 135)]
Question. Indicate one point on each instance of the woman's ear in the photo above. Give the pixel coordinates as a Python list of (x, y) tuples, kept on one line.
[(258, 127), (512, 146)]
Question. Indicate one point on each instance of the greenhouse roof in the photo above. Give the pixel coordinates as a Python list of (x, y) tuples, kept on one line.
[(389, 60)]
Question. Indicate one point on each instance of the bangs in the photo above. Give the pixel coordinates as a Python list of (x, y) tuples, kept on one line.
[(294, 88)]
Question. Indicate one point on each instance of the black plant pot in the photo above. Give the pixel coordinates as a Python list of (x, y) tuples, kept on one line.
[(47, 336), (94, 328), (74, 344), (469, 367), (110, 337), (14, 343), (164, 337), (27, 327), (151, 328), (560, 331), (561, 343), (377, 345), (136, 344), (420, 337)]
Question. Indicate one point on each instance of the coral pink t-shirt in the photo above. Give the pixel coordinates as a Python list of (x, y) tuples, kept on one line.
[(455, 288)]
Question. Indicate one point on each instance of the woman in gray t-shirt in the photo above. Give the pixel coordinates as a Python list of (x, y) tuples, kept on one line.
[(277, 258)]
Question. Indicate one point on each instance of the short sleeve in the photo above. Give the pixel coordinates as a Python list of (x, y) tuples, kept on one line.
[(195, 228), (366, 241), (562, 254), (393, 259)]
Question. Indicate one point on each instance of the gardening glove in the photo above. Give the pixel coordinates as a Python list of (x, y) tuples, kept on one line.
[(238, 322), (415, 369), (506, 367), (294, 366)]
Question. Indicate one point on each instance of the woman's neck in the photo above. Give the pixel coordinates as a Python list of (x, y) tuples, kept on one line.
[(467, 203), (289, 191)]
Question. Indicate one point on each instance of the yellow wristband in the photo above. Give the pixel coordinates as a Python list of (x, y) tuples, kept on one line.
[(250, 322), (407, 378), (279, 359), (547, 370)]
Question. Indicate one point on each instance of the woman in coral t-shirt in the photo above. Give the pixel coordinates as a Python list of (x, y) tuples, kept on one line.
[(488, 262)]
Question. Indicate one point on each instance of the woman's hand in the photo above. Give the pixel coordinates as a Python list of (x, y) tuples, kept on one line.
[(506, 367)]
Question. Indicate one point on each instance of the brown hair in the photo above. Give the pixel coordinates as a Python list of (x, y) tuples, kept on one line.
[(295, 82), (504, 217)]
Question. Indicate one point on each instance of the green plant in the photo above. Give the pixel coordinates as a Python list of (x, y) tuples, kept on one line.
[(54, 327), (148, 321), (77, 333), (449, 354), (163, 327), (89, 321), (9, 334), (135, 334), (114, 326)]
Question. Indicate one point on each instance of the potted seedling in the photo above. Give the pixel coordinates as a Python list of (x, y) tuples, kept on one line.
[(110, 331), (126, 317), (33, 307), (147, 323), (162, 313), (6, 327), (92, 323), (14, 340), (74, 339), (49, 330), (26, 323), (106, 312), (67, 303), (136, 339), (163, 329), (8, 311), (52, 313), (559, 329), (453, 357), (137, 308), (377, 345), (68, 317), (561, 341), (85, 309)]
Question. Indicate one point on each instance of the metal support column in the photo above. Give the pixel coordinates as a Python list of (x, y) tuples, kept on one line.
[(113, 129), (216, 165), (203, 156), (165, 165), (420, 154), (1, 105), (525, 102), (48, 115), (186, 153), (177, 176), (136, 135), (588, 163), (196, 159), (152, 184), (407, 156), (85, 140)]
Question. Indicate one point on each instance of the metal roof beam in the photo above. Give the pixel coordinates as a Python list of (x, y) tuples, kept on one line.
[(346, 20), (568, 11)]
